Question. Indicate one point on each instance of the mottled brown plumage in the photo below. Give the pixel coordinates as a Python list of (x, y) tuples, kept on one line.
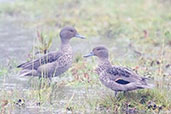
[(54, 63), (115, 77)]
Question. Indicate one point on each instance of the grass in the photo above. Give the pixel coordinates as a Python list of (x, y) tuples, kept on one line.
[(137, 33)]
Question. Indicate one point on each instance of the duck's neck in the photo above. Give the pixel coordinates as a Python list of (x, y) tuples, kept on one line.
[(66, 47), (103, 65)]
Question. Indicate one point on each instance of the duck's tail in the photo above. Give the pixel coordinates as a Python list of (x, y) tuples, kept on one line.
[(145, 83), (27, 72), (148, 86)]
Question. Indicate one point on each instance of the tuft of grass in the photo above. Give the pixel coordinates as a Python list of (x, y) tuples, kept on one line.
[(137, 101), (44, 43)]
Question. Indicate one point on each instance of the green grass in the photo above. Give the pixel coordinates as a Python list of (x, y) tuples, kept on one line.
[(137, 33)]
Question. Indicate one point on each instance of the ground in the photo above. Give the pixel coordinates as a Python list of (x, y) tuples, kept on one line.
[(137, 34)]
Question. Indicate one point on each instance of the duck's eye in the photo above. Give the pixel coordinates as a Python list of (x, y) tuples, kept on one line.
[(71, 31)]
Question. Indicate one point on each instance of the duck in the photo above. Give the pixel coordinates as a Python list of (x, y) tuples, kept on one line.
[(53, 63), (117, 78)]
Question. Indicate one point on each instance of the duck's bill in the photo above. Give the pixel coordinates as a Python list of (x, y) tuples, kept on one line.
[(80, 36), (89, 55)]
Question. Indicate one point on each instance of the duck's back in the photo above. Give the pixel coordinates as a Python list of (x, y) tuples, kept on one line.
[(35, 64), (50, 65), (117, 72), (106, 70)]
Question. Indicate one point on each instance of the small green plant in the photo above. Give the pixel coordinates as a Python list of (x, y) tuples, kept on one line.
[(44, 42)]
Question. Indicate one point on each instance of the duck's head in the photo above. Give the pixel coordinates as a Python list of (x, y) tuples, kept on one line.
[(100, 51), (69, 32)]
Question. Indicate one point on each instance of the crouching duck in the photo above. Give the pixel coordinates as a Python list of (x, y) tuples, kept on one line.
[(54, 63), (115, 77)]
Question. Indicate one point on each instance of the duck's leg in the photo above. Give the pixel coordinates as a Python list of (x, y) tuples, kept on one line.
[(116, 92), (49, 81), (125, 93)]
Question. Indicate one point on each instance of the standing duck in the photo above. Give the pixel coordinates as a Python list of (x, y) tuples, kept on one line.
[(115, 77), (54, 63)]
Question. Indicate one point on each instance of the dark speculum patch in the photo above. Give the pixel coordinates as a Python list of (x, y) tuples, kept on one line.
[(120, 81)]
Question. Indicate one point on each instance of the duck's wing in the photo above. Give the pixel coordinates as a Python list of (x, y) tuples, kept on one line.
[(124, 79), (123, 75), (48, 58)]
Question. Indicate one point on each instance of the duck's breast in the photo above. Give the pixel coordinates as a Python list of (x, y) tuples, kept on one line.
[(64, 63)]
